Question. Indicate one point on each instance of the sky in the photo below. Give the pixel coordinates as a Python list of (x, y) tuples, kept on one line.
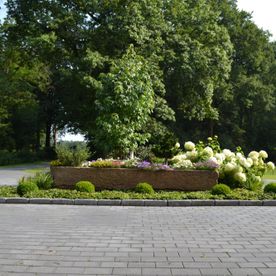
[(263, 14)]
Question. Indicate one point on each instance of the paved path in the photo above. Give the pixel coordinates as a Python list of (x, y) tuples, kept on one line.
[(11, 175), (91, 240)]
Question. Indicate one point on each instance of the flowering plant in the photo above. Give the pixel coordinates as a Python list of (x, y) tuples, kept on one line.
[(131, 163), (152, 166), (234, 168)]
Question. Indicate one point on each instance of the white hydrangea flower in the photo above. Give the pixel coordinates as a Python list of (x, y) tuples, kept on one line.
[(189, 146), (220, 156), (179, 157), (240, 177), (192, 154), (229, 167), (208, 151), (255, 161), (239, 155), (270, 165), (177, 145), (238, 169), (183, 164), (243, 162), (228, 153), (253, 154), (250, 161), (261, 162), (214, 159), (263, 154)]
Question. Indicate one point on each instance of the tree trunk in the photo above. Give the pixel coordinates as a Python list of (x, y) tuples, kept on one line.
[(211, 128), (54, 136), (37, 143), (131, 156), (48, 136)]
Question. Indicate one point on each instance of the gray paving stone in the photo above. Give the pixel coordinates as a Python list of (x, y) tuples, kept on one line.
[(156, 271), (127, 271), (149, 202), (251, 202), (269, 202), (133, 202), (40, 200), (267, 271), (62, 201), (2, 200), (244, 271), (128, 240), (215, 271), (176, 203), (112, 202), (19, 200), (199, 202), (226, 202), (181, 272), (86, 201), (98, 271)]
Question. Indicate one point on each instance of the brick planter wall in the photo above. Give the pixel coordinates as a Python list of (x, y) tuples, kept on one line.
[(114, 178)]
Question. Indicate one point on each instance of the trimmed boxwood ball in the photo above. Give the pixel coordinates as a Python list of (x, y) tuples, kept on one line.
[(25, 187), (270, 188), (85, 186), (144, 188), (221, 189)]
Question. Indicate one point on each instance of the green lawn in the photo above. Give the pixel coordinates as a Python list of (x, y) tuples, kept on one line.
[(270, 175)]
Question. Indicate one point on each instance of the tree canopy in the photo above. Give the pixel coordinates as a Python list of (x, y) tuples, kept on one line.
[(130, 74)]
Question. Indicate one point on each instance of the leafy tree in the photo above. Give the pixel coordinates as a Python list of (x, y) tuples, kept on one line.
[(124, 101), (205, 67)]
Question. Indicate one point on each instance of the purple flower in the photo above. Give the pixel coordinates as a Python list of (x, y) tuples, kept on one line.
[(144, 165), (206, 165), (152, 166)]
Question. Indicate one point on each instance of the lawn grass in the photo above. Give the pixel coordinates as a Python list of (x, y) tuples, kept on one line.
[(37, 170), (239, 194), (270, 175)]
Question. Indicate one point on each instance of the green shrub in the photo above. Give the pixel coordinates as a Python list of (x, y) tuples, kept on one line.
[(106, 164), (221, 189), (55, 163), (26, 186), (85, 186), (144, 188), (72, 154), (270, 188), (43, 181)]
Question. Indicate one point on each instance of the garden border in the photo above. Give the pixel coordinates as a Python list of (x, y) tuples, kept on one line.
[(128, 178), (136, 202)]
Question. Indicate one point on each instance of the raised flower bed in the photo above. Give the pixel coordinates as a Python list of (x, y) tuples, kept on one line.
[(127, 178), (197, 168)]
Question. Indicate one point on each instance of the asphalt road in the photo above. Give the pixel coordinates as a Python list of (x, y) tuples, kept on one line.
[(11, 175), (102, 240)]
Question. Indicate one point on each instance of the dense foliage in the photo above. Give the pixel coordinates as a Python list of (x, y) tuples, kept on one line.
[(135, 76), (234, 167), (240, 194), (85, 186)]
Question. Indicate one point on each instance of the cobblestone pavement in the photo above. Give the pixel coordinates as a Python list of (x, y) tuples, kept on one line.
[(103, 240)]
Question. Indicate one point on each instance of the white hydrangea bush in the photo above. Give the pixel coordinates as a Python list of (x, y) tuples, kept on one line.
[(235, 168)]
